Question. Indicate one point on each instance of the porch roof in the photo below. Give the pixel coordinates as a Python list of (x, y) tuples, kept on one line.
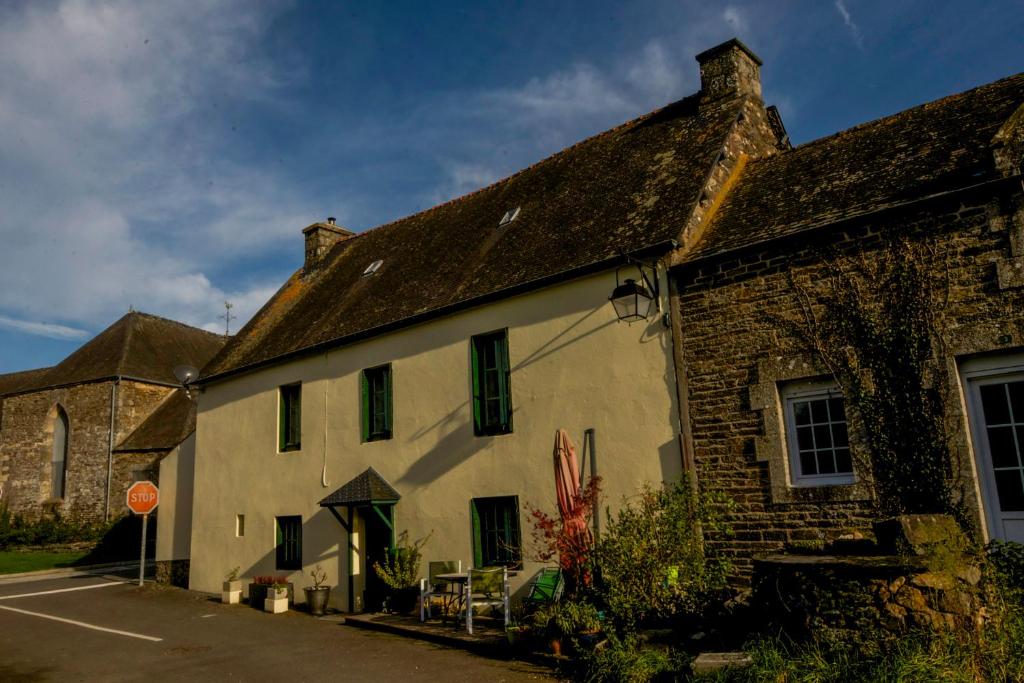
[(365, 489)]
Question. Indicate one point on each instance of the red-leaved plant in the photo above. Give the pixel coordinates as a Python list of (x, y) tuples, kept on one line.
[(553, 538)]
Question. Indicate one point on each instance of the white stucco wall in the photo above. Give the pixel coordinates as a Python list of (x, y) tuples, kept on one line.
[(574, 366), (174, 529)]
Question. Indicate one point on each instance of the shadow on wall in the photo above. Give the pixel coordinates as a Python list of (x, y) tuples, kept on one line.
[(460, 444), (319, 545)]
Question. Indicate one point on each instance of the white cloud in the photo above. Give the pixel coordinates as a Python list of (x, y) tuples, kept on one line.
[(113, 187), (855, 33), (735, 19), (42, 329)]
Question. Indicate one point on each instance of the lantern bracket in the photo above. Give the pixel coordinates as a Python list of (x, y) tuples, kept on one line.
[(652, 282)]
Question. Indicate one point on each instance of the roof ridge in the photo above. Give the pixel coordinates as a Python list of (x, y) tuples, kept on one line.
[(916, 107), (565, 150), (174, 322), (127, 341)]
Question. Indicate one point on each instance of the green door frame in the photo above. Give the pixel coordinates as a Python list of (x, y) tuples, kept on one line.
[(389, 521)]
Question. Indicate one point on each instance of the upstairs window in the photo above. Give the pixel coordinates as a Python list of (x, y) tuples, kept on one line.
[(492, 386), (816, 434), (375, 386), (290, 419), (289, 542), (496, 532)]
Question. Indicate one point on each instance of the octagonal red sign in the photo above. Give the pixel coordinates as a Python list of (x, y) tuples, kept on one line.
[(143, 497)]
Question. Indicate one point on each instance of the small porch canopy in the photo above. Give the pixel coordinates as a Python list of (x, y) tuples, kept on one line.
[(368, 491)]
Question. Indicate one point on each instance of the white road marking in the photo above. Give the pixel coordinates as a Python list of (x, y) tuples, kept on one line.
[(82, 624), (207, 616), (61, 590)]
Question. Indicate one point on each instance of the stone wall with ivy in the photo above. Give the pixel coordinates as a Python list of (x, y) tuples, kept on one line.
[(736, 351)]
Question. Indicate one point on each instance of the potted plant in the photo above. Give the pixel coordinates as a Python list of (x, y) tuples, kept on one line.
[(231, 591), (571, 622), (276, 601), (318, 594), (259, 589), (400, 573)]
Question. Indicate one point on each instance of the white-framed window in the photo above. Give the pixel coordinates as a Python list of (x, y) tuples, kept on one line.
[(816, 434)]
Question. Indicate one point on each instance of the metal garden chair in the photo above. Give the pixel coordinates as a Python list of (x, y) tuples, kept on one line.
[(431, 587), (486, 588)]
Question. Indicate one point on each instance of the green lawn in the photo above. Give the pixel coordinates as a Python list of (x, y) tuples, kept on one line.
[(12, 562)]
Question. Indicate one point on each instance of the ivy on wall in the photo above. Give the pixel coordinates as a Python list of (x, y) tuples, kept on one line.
[(875, 319)]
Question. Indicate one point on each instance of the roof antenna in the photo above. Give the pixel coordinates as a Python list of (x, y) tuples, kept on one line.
[(227, 318)]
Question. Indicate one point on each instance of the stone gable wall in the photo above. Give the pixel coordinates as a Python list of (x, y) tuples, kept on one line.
[(734, 358), (26, 442)]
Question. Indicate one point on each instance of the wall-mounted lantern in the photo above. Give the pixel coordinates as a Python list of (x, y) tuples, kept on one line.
[(633, 298)]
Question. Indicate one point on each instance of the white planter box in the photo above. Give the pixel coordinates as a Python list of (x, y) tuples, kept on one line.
[(231, 597), (277, 601), (276, 606)]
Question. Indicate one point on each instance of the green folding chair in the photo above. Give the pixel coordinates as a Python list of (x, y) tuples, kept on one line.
[(545, 588)]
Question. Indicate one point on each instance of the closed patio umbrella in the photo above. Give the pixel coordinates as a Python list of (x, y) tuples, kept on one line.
[(570, 506)]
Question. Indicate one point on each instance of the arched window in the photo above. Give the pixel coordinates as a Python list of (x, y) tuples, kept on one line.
[(59, 461)]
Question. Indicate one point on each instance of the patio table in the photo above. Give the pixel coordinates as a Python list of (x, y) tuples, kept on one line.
[(458, 581)]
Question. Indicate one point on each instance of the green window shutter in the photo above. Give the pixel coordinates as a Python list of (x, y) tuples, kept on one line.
[(388, 406), (478, 555), (282, 426), (296, 435), (477, 398), (364, 388), (504, 380)]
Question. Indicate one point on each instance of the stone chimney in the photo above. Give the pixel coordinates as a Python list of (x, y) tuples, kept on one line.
[(729, 70), (319, 239)]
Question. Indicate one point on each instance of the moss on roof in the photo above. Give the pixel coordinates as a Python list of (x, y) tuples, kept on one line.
[(932, 148), (623, 190), (138, 345)]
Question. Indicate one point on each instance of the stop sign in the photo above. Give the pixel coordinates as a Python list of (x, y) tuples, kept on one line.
[(143, 497)]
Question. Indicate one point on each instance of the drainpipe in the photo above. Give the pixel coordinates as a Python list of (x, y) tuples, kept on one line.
[(682, 384), (588, 434), (110, 448)]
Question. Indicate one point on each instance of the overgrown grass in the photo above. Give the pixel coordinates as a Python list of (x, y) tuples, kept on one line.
[(995, 654), (15, 562)]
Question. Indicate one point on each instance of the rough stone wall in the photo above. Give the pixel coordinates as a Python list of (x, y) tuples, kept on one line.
[(730, 351), (26, 444), (129, 468), (866, 601)]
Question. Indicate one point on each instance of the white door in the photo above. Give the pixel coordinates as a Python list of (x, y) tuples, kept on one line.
[(996, 404)]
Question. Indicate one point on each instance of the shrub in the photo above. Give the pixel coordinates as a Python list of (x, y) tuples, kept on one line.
[(16, 530), (628, 661), (555, 539), (401, 568), (652, 563)]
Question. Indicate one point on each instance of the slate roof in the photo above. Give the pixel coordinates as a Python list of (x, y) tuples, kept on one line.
[(363, 489), (14, 382), (624, 190), (165, 428), (926, 150), (138, 345)]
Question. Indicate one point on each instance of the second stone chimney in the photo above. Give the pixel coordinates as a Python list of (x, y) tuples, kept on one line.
[(319, 239), (729, 70)]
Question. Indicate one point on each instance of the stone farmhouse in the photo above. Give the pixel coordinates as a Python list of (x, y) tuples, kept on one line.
[(74, 436), (410, 379)]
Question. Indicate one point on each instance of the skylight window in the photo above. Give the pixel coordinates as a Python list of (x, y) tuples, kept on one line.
[(373, 268), (509, 216)]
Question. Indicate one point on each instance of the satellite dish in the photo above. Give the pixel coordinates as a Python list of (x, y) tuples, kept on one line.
[(186, 374)]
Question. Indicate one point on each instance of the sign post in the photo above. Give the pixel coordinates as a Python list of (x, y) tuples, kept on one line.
[(143, 497)]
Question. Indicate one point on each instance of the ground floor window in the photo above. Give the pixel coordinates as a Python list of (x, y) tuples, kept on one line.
[(289, 542), (496, 538), (816, 434)]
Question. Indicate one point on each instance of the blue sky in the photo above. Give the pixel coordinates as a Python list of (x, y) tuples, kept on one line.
[(165, 155)]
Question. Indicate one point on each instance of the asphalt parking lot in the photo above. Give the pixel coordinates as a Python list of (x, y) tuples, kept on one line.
[(90, 628)]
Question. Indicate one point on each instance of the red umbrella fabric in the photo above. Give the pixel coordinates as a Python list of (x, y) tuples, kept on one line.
[(567, 486)]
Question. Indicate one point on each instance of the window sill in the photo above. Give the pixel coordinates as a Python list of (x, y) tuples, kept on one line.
[(291, 449)]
